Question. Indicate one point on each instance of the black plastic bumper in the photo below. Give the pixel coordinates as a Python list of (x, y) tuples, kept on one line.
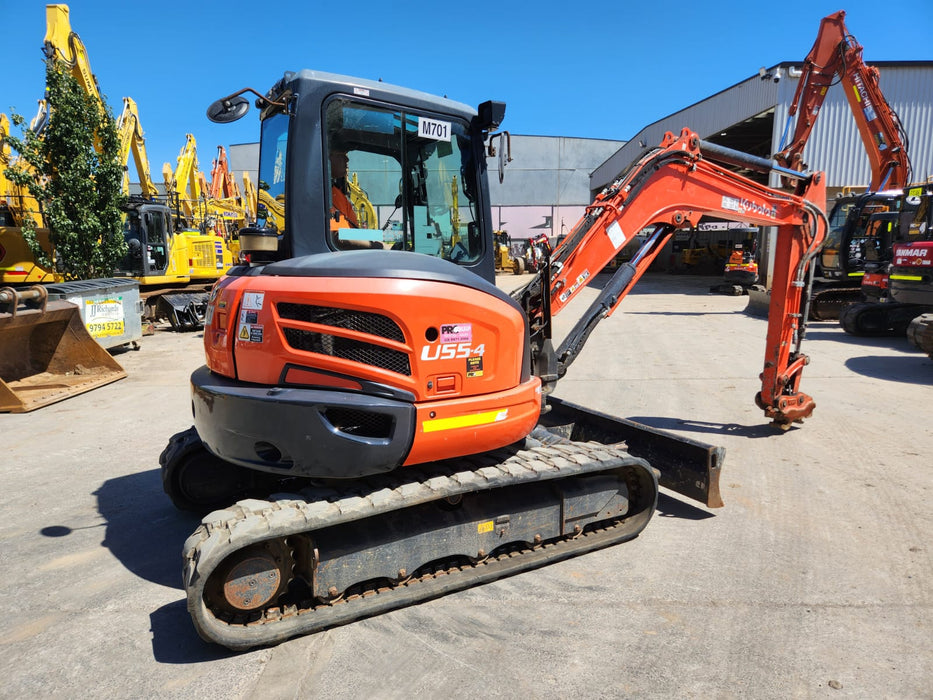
[(301, 432)]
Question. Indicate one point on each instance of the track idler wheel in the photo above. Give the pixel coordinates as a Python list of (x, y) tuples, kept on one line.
[(251, 579)]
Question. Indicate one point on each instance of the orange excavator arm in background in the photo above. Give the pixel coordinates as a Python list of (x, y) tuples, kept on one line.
[(223, 185), (670, 188), (836, 53)]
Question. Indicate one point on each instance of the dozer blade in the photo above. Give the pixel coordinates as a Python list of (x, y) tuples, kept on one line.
[(46, 353), (688, 467)]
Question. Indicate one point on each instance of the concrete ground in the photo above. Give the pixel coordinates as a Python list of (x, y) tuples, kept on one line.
[(813, 581)]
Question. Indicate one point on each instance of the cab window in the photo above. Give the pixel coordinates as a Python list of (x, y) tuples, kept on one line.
[(400, 180)]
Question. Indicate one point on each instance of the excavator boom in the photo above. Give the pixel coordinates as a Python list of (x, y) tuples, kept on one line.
[(837, 55), (670, 188)]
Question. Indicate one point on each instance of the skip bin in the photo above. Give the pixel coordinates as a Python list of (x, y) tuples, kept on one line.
[(110, 308)]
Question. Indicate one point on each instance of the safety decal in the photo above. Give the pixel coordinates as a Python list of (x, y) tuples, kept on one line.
[(249, 317), (474, 366), (456, 333), (249, 333), (253, 300), (567, 293)]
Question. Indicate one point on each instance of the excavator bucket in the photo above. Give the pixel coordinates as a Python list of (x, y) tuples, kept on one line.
[(46, 353)]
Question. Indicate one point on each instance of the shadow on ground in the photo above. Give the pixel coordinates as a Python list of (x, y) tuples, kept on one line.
[(144, 530), (673, 507), (175, 641), (695, 426), (910, 369)]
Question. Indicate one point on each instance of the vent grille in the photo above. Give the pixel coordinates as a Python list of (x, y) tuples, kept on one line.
[(348, 349), (359, 321), (360, 423)]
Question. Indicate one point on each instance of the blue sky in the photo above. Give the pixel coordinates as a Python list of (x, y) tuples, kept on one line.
[(594, 70)]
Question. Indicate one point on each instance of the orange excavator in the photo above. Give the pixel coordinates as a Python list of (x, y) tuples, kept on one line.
[(397, 402), (836, 56)]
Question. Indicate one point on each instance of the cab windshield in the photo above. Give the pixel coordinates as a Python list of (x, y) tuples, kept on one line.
[(400, 180)]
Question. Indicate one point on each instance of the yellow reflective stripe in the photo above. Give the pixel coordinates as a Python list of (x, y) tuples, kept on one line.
[(909, 278), (856, 274), (432, 426)]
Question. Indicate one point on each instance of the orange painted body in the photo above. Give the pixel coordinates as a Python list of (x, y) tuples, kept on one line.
[(457, 351)]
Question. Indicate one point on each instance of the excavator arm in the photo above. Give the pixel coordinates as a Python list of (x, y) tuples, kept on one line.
[(222, 186), (670, 188), (63, 44), (836, 54), (132, 141), (183, 183)]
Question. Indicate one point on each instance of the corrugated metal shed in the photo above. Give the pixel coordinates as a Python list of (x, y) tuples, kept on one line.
[(835, 145)]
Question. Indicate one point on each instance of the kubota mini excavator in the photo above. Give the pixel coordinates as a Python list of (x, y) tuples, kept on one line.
[(403, 398), (836, 55)]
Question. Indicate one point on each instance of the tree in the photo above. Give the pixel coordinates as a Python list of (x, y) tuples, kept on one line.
[(77, 177)]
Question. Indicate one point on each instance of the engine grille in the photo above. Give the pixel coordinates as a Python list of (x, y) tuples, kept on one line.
[(360, 321), (359, 423), (349, 349)]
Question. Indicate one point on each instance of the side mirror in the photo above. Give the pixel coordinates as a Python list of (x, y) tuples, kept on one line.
[(228, 109)]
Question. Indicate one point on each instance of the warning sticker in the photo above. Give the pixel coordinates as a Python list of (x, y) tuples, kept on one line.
[(249, 333), (247, 316), (253, 300), (474, 366)]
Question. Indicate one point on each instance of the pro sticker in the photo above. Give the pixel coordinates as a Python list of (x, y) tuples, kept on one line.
[(456, 333)]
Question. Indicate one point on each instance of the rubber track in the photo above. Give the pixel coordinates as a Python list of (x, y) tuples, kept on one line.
[(920, 333), (827, 304), (226, 531)]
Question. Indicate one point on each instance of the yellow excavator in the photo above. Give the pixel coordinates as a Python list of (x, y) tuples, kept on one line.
[(17, 263), (46, 353)]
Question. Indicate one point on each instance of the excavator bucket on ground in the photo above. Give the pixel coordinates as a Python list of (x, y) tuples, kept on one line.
[(46, 353)]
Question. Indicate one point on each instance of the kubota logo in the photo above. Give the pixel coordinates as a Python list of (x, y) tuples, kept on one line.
[(747, 206)]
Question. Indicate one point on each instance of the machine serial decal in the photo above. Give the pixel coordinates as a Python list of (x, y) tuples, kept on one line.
[(616, 235), (429, 353), (432, 426), (433, 129), (456, 333), (483, 528)]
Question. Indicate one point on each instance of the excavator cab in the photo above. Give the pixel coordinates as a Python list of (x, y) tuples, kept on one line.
[(147, 231), (848, 224), (398, 179)]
